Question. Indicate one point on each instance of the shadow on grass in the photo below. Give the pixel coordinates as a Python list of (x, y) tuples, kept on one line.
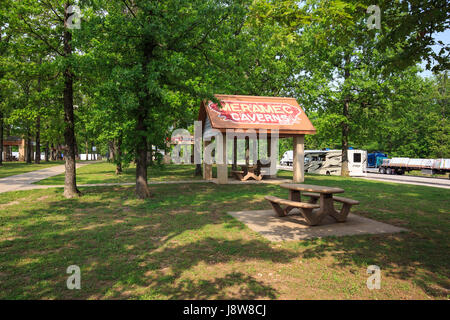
[(181, 245), (404, 256), (138, 249)]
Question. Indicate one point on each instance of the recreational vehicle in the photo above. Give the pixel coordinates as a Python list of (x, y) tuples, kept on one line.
[(329, 162), (287, 159)]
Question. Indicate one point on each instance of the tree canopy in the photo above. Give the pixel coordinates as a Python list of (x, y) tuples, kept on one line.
[(120, 75)]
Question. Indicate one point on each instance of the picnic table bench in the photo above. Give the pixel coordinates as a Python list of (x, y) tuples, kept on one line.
[(347, 203), (318, 207), (248, 172), (276, 202)]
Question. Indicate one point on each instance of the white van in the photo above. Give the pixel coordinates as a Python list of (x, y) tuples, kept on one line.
[(329, 162)]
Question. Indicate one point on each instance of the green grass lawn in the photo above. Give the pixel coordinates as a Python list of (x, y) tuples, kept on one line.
[(181, 244), (104, 172), (16, 167)]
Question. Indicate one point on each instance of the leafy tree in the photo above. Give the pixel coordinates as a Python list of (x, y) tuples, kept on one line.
[(409, 26), (440, 137), (345, 72), (47, 22), (160, 50), (5, 38)]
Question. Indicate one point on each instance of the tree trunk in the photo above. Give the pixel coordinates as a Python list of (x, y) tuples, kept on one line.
[(70, 183), (118, 155), (52, 154), (142, 190), (37, 158), (1, 138), (46, 152), (345, 127), (111, 155), (29, 147), (86, 149), (344, 168)]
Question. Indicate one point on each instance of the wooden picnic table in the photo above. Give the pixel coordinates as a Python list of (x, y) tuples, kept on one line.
[(250, 167), (297, 187), (325, 195), (248, 172)]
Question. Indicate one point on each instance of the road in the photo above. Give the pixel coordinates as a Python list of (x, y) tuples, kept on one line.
[(404, 179), (420, 181)]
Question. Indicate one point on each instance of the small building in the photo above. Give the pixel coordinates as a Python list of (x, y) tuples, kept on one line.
[(8, 143), (258, 113)]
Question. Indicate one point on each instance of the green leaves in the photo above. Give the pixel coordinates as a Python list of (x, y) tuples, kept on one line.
[(161, 58)]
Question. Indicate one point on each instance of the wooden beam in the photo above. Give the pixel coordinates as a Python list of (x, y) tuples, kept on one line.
[(299, 159), (207, 168), (222, 169), (247, 151), (234, 153)]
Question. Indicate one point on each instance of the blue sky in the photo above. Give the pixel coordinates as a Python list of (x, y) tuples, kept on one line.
[(445, 38)]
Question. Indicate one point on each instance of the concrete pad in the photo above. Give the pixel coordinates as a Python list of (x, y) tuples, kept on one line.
[(294, 227)]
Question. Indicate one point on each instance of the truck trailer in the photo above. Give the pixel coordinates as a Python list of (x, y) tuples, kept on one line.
[(402, 165)]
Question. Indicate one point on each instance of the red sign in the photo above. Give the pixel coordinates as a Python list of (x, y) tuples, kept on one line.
[(256, 112), (181, 139)]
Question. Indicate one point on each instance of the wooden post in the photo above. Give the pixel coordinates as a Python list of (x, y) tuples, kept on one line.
[(234, 167), (222, 169), (247, 151), (299, 158), (207, 168), (269, 154), (22, 150)]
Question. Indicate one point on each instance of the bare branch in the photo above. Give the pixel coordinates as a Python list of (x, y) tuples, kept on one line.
[(40, 37), (131, 11), (53, 10)]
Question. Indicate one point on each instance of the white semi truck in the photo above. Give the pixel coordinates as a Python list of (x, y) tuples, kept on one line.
[(402, 165)]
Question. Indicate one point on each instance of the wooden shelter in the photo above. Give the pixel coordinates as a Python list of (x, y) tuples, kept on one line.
[(9, 142), (252, 112)]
